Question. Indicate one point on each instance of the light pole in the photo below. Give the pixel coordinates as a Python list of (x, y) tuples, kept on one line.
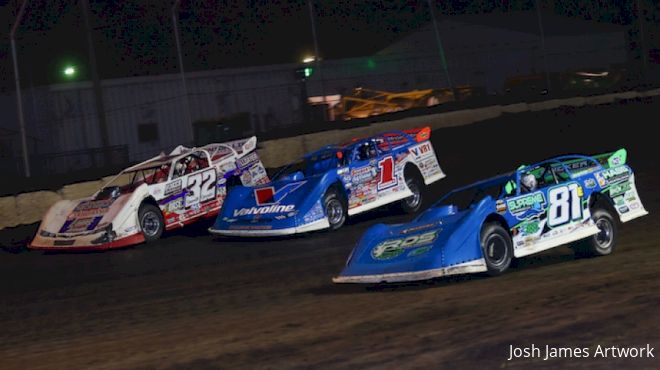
[(96, 83), (317, 56), (641, 17), (184, 84), (19, 100), (545, 57), (441, 49)]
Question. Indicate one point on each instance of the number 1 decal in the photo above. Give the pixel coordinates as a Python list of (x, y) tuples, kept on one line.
[(387, 178), (564, 205)]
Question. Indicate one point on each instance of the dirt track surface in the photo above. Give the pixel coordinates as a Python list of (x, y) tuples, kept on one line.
[(193, 302)]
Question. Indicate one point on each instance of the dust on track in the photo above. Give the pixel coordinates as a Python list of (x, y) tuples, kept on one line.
[(190, 301)]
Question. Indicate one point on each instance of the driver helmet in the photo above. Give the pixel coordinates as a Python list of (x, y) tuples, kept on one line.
[(180, 169), (367, 151), (529, 181)]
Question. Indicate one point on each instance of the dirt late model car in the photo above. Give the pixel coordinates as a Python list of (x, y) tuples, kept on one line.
[(481, 227), (162, 193), (320, 190)]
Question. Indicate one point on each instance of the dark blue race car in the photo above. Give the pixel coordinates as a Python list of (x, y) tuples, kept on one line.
[(323, 188), (481, 227)]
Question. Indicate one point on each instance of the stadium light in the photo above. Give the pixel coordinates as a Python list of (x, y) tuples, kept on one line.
[(70, 71)]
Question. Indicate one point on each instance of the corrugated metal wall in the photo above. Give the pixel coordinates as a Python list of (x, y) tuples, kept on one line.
[(63, 117)]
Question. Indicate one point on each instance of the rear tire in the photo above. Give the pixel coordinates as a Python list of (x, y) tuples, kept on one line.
[(151, 222), (413, 203), (604, 242), (335, 209), (497, 248)]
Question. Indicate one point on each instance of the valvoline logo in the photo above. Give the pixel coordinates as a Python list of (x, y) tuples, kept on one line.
[(268, 200)]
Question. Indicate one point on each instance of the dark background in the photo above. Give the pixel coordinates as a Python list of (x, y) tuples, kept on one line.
[(135, 38)]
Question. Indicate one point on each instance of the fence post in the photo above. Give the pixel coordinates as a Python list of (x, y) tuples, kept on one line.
[(19, 97)]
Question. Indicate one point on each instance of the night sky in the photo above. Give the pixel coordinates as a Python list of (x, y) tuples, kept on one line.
[(135, 38)]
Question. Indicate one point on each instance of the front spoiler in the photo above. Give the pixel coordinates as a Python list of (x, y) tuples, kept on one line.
[(474, 266), (313, 226), (119, 243)]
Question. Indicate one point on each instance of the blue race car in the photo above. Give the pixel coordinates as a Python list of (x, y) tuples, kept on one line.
[(323, 188), (481, 227)]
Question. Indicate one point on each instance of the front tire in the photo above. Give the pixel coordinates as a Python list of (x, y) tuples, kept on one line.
[(151, 222), (334, 207), (604, 242), (497, 248)]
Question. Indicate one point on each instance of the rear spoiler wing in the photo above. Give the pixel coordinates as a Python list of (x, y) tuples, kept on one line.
[(416, 134), (420, 134), (241, 147), (612, 159)]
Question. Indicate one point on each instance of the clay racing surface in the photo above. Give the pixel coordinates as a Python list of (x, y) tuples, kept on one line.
[(189, 301)]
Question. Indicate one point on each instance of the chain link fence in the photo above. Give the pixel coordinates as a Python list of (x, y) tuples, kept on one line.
[(314, 66)]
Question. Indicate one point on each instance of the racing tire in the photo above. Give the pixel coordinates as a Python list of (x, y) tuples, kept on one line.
[(335, 209), (413, 203), (151, 222), (497, 248), (603, 243)]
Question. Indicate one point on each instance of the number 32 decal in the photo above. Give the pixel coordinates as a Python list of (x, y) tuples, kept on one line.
[(201, 187), (564, 204)]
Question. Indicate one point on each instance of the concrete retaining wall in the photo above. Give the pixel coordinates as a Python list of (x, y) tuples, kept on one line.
[(28, 208)]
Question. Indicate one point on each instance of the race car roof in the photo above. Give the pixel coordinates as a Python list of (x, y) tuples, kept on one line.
[(496, 180)]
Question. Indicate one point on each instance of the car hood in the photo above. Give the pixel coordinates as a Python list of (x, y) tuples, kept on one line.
[(440, 237), (274, 201), (82, 216)]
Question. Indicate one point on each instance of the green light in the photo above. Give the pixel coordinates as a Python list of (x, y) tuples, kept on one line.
[(308, 71), (371, 64), (69, 71)]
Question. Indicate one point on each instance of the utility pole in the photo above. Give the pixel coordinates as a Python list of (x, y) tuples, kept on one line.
[(19, 99), (317, 57), (545, 57), (441, 49), (96, 81), (641, 17), (182, 71)]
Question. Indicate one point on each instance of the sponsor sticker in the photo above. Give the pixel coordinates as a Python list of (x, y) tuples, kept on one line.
[(420, 150), (500, 206), (619, 189), (247, 160), (590, 183), (173, 187), (530, 228), (524, 203), (89, 209), (363, 174), (392, 248), (419, 251), (616, 174), (275, 208), (314, 214)]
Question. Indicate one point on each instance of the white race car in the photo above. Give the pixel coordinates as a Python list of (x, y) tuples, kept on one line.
[(162, 193)]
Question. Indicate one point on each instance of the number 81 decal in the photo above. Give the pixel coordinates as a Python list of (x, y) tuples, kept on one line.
[(565, 204)]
